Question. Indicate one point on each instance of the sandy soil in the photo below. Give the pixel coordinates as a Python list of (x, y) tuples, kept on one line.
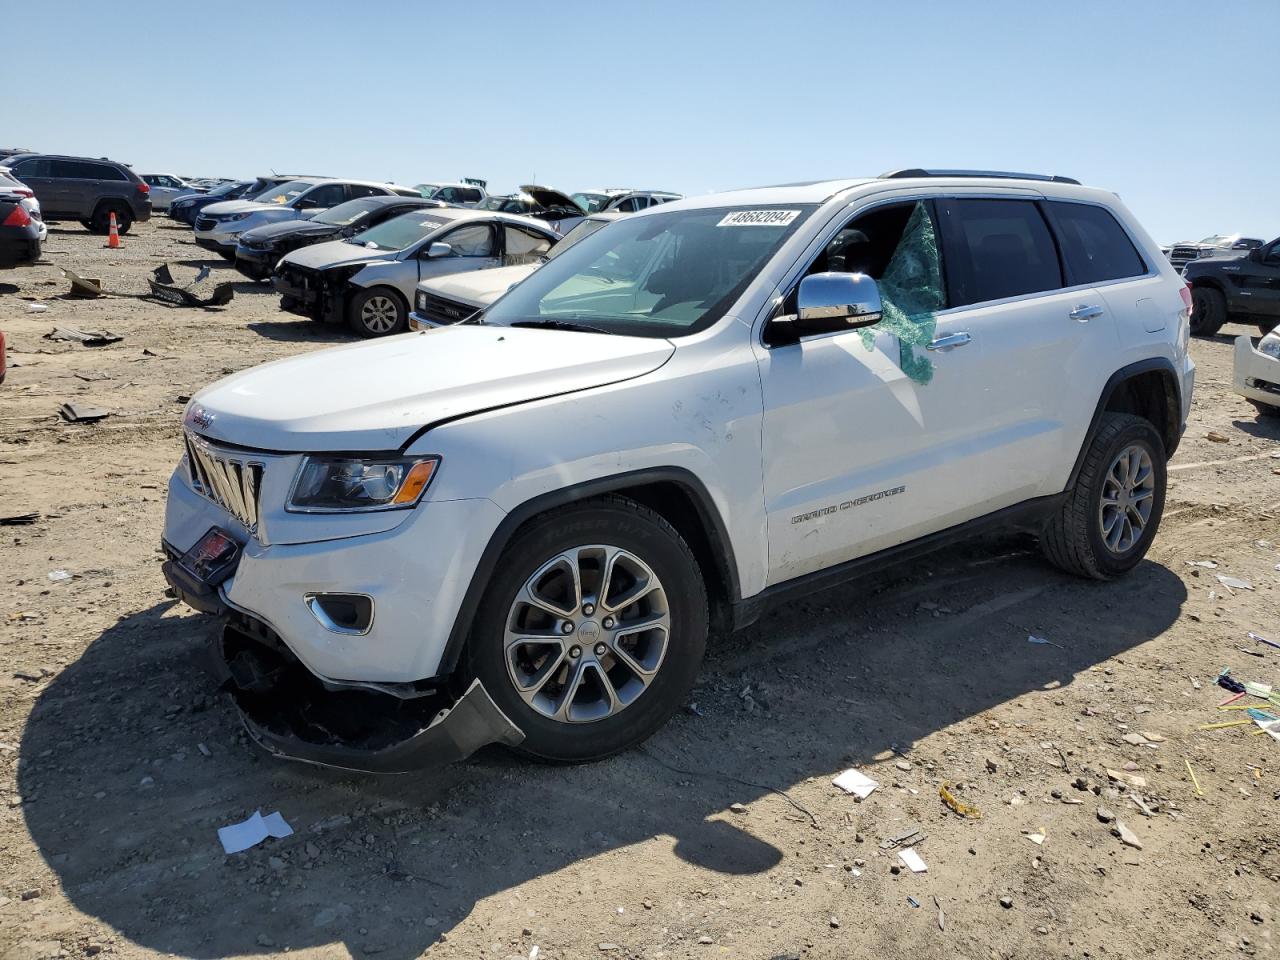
[(118, 764)]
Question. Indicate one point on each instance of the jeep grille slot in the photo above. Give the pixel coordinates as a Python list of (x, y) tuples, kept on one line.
[(232, 482)]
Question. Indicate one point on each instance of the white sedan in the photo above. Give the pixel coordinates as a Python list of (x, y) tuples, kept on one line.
[(1256, 374), (165, 189)]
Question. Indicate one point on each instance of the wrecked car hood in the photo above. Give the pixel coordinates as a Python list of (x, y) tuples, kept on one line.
[(377, 394), (550, 197), (289, 228), (479, 287), (335, 253)]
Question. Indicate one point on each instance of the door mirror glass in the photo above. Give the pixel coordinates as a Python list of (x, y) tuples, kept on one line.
[(439, 249), (827, 302)]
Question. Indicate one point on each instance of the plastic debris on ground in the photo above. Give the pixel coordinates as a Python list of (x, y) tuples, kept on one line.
[(82, 413), (57, 576), (1036, 837), (913, 901), (90, 338), (855, 782), (1208, 564), (249, 833), (957, 805), (1257, 638), (37, 307), (1234, 583), (912, 860), (1043, 642)]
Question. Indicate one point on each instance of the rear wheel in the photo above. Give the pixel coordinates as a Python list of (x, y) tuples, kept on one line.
[(592, 631), (101, 222), (1208, 311), (378, 312), (1110, 516)]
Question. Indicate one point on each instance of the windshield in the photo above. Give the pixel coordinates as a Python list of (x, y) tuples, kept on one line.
[(285, 192), (398, 232), (426, 189), (583, 230), (224, 189), (345, 214), (591, 202), (661, 275)]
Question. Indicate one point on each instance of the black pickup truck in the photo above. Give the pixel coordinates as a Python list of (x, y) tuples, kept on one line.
[(1242, 289)]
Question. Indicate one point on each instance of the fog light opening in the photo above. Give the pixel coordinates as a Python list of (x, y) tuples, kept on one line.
[(348, 613)]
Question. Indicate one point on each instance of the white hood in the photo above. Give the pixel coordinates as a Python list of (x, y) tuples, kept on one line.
[(235, 206), (376, 395), (478, 288)]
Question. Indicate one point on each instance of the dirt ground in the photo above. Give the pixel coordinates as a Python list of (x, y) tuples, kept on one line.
[(723, 836)]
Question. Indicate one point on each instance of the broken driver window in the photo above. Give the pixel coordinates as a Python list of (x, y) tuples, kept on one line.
[(897, 246)]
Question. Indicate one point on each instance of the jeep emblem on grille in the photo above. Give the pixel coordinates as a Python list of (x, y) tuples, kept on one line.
[(199, 417)]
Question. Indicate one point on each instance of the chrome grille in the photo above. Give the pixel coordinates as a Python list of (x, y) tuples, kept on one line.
[(231, 480)]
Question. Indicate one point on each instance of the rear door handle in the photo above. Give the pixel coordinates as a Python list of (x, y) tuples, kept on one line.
[(949, 342), (1085, 312)]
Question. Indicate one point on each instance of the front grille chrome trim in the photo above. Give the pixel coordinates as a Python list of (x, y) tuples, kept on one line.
[(231, 480)]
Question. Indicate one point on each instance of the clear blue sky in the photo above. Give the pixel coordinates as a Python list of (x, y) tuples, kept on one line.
[(1173, 105)]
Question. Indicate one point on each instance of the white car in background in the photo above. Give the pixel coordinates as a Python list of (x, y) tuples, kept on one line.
[(368, 280), (458, 194), (12, 184), (442, 301), (1256, 372), (219, 225), (622, 199), (165, 189)]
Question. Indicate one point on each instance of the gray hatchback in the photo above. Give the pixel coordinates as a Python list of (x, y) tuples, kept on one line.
[(84, 189)]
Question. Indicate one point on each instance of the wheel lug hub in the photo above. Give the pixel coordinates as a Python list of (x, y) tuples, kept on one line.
[(575, 652), (588, 609), (607, 623), (566, 627), (600, 649)]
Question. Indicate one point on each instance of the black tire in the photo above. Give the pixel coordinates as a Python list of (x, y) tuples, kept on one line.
[(619, 522), (101, 222), (1266, 326), (87, 224), (362, 322), (1072, 539), (228, 255), (1208, 311)]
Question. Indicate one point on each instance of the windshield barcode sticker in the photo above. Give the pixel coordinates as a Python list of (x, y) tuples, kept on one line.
[(758, 218)]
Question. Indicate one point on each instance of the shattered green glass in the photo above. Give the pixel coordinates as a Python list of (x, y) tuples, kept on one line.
[(911, 294)]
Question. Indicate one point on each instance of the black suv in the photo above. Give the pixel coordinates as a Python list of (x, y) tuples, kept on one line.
[(84, 189), (1244, 289)]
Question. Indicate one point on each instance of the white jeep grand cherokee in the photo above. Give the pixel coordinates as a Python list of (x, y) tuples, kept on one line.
[(522, 530)]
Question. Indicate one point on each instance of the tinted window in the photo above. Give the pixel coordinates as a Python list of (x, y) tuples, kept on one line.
[(997, 249), (360, 190), (469, 196), (1094, 246), (328, 195), (35, 167)]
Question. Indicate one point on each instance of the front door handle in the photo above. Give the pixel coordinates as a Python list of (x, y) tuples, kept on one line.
[(1085, 312), (949, 342)]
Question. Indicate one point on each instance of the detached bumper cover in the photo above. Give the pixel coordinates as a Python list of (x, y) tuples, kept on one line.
[(295, 715)]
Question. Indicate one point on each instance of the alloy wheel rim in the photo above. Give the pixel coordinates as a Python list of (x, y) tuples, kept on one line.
[(587, 633), (378, 314), (1128, 495)]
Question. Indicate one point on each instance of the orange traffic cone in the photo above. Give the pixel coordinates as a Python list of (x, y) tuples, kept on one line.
[(113, 235)]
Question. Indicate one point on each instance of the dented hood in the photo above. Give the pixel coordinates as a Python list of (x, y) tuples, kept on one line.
[(335, 253), (376, 395)]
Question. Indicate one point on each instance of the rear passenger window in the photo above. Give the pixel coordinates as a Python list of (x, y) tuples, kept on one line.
[(1094, 246), (996, 249), (361, 190), (524, 246)]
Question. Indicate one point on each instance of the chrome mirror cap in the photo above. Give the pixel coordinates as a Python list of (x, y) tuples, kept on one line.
[(852, 297)]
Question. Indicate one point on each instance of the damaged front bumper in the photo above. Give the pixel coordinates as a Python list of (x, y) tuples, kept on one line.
[(375, 728)]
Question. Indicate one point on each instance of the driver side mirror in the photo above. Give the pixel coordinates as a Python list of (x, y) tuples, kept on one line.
[(439, 249), (829, 302)]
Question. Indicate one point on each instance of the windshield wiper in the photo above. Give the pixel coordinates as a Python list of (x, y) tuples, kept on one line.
[(560, 325)]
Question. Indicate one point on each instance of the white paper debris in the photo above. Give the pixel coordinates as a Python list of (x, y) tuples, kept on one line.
[(855, 782), (1044, 642), (912, 860), (37, 307), (58, 575), (1235, 582), (1202, 563), (251, 832)]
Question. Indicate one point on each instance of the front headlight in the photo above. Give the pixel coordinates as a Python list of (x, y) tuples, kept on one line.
[(340, 484), (1270, 344), (235, 216), (421, 301)]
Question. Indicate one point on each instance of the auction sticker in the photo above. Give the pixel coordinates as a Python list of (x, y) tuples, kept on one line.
[(758, 218)]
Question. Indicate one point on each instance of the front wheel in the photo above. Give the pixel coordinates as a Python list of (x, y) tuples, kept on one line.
[(378, 312), (1108, 519), (592, 630)]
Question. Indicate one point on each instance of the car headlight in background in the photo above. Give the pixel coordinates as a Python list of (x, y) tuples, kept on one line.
[(338, 484), (1270, 344), (234, 217), (421, 301)]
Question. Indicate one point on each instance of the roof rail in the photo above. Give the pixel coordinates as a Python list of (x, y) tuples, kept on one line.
[(913, 172)]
